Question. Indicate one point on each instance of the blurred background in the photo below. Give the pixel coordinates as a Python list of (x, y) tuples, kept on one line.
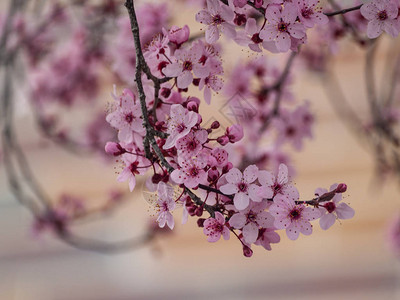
[(352, 260)]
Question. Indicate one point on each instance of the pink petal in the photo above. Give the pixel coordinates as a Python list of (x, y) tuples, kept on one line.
[(204, 17), (250, 174), (327, 221), (251, 26), (212, 34), (172, 70), (250, 233), (283, 42), (185, 79), (241, 201), (292, 233), (344, 211), (266, 178), (229, 189), (234, 176), (282, 174)]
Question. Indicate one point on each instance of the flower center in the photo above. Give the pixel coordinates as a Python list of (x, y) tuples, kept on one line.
[(134, 167), (242, 187), (307, 13), (217, 19), (382, 15), (187, 66), (181, 127), (193, 172), (256, 38), (251, 217), (129, 118), (330, 207), (282, 27), (295, 214), (191, 145), (290, 131)]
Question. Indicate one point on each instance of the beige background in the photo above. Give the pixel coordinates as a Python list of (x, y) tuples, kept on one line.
[(350, 261)]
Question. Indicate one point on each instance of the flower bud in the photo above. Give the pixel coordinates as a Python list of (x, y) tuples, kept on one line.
[(193, 106), (179, 35), (213, 175), (200, 222), (247, 251), (215, 125), (165, 92), (114, 149), (223, 140), (341, 188), (234, 133)]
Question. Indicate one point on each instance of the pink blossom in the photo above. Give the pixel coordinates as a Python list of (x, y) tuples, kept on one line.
[(282, 26), (179, 124), (192, 143), (215, 227), (251, 219), (126, 117), (277, 185), (332, 210), (251, 37), (295, 218), (217, 17), (114, 149), (234, 133), (188, 60), (179, 35), (132, 168), (191, 172), (166, 204), (381, 15), (241, 185), (218, 157), (310, 14)]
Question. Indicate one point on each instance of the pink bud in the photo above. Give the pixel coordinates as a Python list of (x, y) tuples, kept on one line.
[(223, 140), (215, 125), (179, 35), (341, 188), (193, 106), (114, 149), (258, 3), (234, 133), (227, 167), (200, 222), (213, 175), (247, 251), (239, 3)]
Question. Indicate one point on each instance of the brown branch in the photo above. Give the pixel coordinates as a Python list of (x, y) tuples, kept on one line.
[(343, 11)]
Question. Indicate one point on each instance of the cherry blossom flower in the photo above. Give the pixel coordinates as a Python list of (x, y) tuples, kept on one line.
[(191, 172), (179, 35), (188, 60), (295, 218), (217, 17), (241, 185), (165, 204), (180, 122), (215, 227), (126, 117), (282, 26), (310, 14), (381, 15), (134, 165), (191, 144), (332, 210), (251, 219), (278, 185)]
